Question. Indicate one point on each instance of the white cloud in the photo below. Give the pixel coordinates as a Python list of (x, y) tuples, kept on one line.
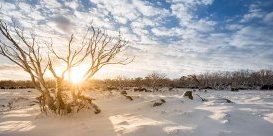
[(233, 27), (268, 18), (252, 15), (248, 37), (254, 12), (193, 45)]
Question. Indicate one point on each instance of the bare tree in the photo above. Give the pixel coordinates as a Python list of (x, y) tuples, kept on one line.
[(72, 59), (26, 53), (100, 48), (156, 80)]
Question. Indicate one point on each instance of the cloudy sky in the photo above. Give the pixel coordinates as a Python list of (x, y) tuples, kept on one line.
[(175, 37)]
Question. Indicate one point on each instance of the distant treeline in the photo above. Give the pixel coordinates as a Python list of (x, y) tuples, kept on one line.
[(243, 79)]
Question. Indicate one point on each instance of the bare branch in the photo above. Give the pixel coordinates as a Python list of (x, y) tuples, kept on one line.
[(103, 49), (22, 52)]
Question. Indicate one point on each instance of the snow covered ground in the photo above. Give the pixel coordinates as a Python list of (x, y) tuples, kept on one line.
[(251, 114)]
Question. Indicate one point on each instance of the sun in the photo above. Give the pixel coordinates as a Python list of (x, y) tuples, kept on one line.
[(77, 74), (76, 78)]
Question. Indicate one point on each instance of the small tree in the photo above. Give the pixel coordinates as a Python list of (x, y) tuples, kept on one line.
[(155, 80)]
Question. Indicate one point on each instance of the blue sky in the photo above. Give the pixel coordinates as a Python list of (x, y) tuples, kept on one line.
[(175, 37)]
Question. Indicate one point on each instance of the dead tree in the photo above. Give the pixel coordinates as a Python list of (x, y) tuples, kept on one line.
[(195, 81), (72, 59), (25, 52), (155, 80), (100, 48)]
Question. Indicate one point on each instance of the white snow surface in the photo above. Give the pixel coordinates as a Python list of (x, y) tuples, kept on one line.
[(251, 114)]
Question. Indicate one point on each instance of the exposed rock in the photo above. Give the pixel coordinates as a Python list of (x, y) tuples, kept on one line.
[(129, 97), (157, 104), (141, 89), (123, 93), (234, 90), (162, 100), (229, 101), (96, 108), (188, 94)]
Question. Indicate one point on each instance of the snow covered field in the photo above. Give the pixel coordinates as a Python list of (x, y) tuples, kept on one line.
[(251, 114)]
